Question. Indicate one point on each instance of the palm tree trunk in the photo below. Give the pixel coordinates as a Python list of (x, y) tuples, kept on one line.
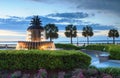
[(113, 40), (71, 39), (87, 40)]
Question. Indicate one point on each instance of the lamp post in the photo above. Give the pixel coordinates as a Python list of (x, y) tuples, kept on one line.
[(107, 40), (77, 41)]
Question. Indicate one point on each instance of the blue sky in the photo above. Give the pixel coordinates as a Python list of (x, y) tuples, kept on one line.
[(101, 15)]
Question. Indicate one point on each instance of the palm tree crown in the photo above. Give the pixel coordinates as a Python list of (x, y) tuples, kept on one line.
[(71, 31), (51, 31), (87, 32), (113, 33)]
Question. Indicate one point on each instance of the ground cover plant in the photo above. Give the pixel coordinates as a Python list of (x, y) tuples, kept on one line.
[(90, 72)]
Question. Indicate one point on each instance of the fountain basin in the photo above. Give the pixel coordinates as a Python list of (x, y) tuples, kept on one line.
[(104, 56), (27, 45)]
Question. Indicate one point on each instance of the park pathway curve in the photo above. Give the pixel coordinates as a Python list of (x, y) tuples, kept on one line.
[(95, 59)]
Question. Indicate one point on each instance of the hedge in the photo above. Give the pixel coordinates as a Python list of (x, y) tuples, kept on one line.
[(114, 51), (98, 47), (36, 59), (67, 46)]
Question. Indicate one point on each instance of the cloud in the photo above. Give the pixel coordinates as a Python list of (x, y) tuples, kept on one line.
[(62, 23), (11, 33), (103, 5), (44, 1), (74, 15), (100, 32), (61, 33), (96, 33)]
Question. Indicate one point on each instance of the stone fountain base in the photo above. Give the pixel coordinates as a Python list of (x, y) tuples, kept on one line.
[(27, 45)]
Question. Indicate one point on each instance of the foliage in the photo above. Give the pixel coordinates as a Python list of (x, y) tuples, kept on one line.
[(114, 51), (51, 31), (98, 47), (67, 46), (87, 32), (113, 33), (70, 31), (50, 60), (110, 70)]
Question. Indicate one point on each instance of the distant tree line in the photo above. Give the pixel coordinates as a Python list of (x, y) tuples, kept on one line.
[(52, 30)]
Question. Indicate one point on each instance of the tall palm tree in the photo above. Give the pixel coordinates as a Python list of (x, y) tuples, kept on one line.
[(113, 33), (71, 31), (51, 31), (87, 32)]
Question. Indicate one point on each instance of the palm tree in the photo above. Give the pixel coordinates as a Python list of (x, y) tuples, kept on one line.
[(51, 31), (113, 33), (87, 32), (71, 31)]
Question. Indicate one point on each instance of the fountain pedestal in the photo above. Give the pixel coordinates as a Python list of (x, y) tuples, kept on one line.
[(27, 45), (103, 57)]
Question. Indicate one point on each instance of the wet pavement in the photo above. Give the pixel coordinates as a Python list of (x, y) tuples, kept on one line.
[(100, 64)]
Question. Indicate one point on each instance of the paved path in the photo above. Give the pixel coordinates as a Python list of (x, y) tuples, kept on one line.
[(95, 60)]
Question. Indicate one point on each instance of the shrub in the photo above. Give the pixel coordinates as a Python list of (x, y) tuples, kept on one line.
[(36, 59), (110, 70), (67, 46), (114, 51), (97, 47)]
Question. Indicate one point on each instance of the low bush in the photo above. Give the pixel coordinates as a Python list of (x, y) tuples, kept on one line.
[(78, 73), (110, 70), (67, 46), (36, 59), (114, 51), (98, 47)]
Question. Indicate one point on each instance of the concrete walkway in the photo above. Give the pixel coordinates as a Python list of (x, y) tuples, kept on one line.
[(96, 60)]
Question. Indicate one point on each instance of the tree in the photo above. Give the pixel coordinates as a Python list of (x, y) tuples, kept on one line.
[(113, 33), (51, 31), (87, 32), (71, 31)]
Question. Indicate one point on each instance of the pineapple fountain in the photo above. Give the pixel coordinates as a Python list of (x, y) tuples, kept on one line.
[(35, 37)]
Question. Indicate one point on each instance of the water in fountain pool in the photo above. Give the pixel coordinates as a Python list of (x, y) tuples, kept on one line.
[(96, 60)]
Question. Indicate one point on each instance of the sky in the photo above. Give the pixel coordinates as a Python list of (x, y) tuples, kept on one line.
[(101, 15)]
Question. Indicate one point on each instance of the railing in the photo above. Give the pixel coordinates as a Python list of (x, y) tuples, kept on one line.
[(8, 45)]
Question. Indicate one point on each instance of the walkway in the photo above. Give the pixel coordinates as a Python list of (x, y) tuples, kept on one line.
[(95, 60)]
